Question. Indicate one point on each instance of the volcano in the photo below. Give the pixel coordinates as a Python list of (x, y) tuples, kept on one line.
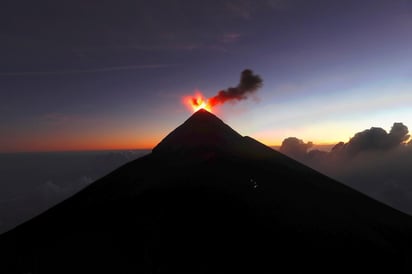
[(208, 200)]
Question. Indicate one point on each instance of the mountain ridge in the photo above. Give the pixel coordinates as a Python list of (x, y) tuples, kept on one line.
[(208, 200), (201, 129)]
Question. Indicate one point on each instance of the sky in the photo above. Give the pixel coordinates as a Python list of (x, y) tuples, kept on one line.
[(89, 75)]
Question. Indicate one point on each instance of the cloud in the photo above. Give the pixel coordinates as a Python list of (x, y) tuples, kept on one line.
[(229, 38), (374, 162), (240, 8), (280, 5), (75, 71), (295, 147), (56, 118), (249, 9), (398, 134), (376, 139), (33, 182), (52, 192)]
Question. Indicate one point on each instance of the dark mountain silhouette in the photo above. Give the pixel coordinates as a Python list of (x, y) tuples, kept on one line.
[(208, 200)]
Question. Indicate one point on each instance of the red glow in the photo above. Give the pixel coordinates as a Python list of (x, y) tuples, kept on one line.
[(196, 102)]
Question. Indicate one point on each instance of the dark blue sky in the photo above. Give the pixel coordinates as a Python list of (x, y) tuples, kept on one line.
[(111, 74)]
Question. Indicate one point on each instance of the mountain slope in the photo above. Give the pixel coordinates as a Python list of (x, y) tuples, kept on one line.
[(208, 200)]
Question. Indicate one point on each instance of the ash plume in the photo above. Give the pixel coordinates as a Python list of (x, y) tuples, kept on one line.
[(248, 84)]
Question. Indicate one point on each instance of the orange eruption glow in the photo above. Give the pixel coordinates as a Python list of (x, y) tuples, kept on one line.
[(196, 102), (248, 84)]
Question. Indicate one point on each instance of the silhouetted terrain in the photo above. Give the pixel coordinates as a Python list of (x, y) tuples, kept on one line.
[(208, 200)]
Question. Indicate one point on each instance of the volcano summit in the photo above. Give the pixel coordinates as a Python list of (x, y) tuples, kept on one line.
[(208, 200)]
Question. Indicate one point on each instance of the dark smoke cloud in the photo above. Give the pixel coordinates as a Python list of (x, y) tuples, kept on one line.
[(249, 83), (374, 162)]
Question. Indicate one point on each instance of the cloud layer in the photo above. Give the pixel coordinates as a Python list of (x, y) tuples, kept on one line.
[(373, 161), (33, 182)]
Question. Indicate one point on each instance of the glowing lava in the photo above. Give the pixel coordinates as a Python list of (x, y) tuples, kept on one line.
[(196, 102)]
